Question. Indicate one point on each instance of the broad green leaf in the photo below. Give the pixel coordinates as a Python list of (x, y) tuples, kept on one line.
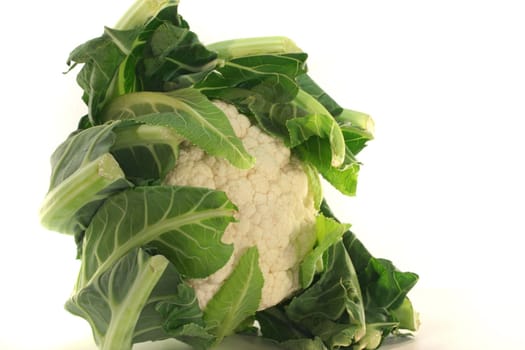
[(183, 318), (249, 71), (195, 335), (261, 86), (101, 58), (238, 298), (190, 114), (332, 308), (317, 152), (79, 149), (145, 152), (406, 315), (183, 223), (113, 301), (328, 233), (387, 286), (276, 325), (173, 56), (83, 175), (150, 326), (112, 62), (307, 84), (383, 287), (320, 126)]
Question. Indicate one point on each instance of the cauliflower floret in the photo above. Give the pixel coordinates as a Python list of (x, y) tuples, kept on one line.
[(276, 210)]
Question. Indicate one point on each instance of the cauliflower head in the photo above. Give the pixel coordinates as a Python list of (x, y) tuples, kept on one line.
[(276, 207)]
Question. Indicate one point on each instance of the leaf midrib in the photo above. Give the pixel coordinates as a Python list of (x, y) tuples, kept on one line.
[(151, 232)]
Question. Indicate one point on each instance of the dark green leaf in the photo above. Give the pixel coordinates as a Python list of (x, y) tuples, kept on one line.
[(183, 318), (146, 152), (101, 58), (113, 301), (83, 175), (318, 126), (183, 223), (317, 152), (173, 55), (309, 85), (276, 325), (332, 308), (261, 86)]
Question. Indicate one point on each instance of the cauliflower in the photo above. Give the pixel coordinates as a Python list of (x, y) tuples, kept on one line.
[(191, 222), (276, 210)]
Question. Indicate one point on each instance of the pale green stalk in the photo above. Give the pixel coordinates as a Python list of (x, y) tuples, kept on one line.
[(152, 134), (82, 187), (119, 334), (141, 11), (235, 48)]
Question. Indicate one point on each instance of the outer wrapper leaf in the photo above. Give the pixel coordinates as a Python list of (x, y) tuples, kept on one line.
[(182, 223), (190, 114), (83, 175), (261, 86), (113, 302)]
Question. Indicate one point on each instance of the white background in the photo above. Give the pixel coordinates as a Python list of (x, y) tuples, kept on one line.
[(441, 190)]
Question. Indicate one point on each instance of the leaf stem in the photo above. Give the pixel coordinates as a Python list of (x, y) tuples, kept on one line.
[(235, 48), (141, 11), (119, 334), (82, 187)]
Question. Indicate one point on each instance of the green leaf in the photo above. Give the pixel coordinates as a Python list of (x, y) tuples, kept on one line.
[(318, 126), (387, 286), (332, 308), (384, 288), (407, 317), (174, 58), (328, 233), (183, 318), (237, 299), (276, 325), (183, 223), (83, 175), (317, 152), (357, 128), (195, 335), (307, 84), (113, 301), (101, 58), (145, 152), (190, 114), (261, 86), (112, 62)]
